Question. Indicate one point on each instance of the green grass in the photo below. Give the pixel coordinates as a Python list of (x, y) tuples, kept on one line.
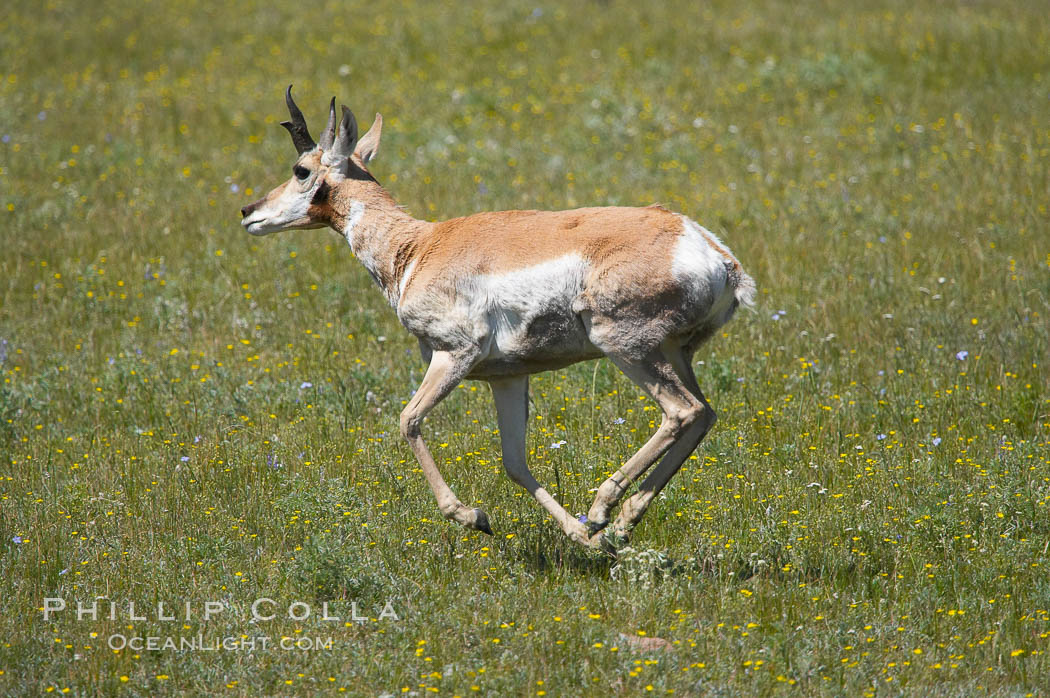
[(868, 517)]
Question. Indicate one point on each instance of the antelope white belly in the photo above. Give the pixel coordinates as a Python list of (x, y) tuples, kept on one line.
[(528, 312)]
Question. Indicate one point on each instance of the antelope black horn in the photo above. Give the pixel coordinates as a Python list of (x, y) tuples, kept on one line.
[(328, 137), (297, 126)]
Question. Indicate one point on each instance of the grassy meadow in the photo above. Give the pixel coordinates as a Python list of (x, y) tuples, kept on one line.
[(191, 415)]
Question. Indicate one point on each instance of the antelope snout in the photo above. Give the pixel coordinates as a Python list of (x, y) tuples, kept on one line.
[(250, 208)]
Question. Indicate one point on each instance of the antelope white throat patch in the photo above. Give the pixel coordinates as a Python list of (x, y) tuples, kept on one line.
[(357, 209), (363, 253)]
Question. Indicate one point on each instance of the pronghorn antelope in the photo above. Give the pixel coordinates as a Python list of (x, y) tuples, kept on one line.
[(497, 296)]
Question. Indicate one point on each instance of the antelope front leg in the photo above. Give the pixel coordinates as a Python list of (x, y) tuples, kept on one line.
[(443, 375), (512, 412)]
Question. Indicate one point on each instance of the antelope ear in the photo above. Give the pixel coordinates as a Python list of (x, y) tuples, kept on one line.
[(345, 141), (369, 144)]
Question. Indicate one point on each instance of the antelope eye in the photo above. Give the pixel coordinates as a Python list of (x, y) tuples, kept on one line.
[(300, 172)]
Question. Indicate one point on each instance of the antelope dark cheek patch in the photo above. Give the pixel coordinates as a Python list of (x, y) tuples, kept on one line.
[(321, 195)]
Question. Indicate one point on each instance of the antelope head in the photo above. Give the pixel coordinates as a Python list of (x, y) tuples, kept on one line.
[(322, 167)]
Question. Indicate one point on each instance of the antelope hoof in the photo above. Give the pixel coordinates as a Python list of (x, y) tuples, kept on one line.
[(599, 515), (618, 535), (481, 522), (598, 543), (595, 542), (594, 527), (609, 545)]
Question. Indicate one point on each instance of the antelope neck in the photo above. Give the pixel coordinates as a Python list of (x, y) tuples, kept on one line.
[(380, 234)]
